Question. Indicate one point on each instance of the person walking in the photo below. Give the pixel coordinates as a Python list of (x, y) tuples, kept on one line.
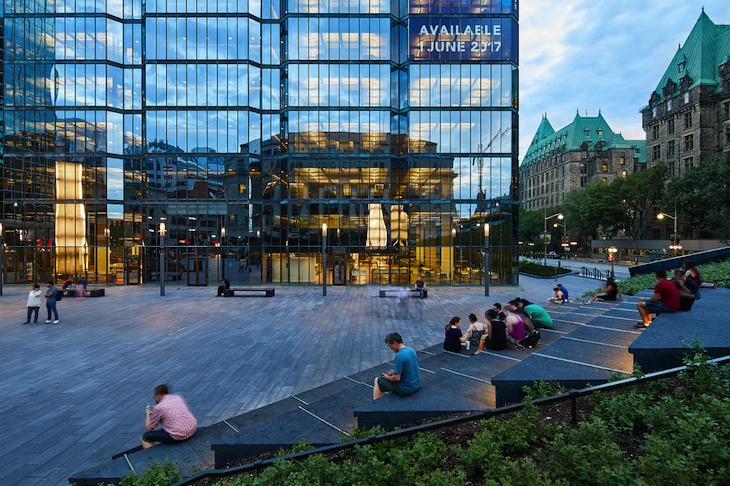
[(34, 303), (51, 303)]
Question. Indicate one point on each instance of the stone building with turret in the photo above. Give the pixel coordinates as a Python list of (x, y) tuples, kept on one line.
[(583, 152), (687, 119)]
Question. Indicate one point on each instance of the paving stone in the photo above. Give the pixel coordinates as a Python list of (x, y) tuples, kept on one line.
[(90, 377)]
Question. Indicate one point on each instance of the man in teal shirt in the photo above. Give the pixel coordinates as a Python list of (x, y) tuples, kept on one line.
[(404, 379), (538, 315)]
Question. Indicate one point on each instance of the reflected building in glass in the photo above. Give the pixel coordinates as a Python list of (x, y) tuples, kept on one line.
[(245, 126)]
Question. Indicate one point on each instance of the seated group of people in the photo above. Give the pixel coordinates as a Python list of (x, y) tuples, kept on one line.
[(677, 294), (505, 328), (560, 295)]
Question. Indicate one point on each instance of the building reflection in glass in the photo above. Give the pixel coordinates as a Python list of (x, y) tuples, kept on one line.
[(267, 119)]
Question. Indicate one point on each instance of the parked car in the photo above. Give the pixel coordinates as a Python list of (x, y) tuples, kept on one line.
[(552, 254)]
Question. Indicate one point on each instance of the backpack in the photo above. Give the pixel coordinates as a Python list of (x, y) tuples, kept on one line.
[(531, 339), (59, 295), (476, 337)]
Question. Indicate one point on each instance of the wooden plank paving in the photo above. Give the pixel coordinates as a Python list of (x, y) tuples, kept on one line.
[(74, 393)]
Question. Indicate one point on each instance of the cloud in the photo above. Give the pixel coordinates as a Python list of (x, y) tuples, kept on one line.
[(598, 55)]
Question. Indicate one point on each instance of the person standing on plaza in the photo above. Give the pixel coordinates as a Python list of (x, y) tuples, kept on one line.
[(34, 303), (51, 294), (404, 379), (665, 299), (172, 414)]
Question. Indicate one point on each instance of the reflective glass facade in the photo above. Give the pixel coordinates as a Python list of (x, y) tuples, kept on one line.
[(245, 125)]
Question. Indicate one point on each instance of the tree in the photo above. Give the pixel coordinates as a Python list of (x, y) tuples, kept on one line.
[(639, 191), (702, 195), (620, 208)]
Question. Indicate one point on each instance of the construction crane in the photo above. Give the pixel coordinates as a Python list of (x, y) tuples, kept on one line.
[(479, 160)]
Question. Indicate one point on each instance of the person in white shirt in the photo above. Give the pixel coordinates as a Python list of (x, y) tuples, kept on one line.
[(34, 303)]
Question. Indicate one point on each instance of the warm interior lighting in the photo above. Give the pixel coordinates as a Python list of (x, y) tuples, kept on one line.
[(72, 254)]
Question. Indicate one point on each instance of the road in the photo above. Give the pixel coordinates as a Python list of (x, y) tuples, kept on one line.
[(621, 270)]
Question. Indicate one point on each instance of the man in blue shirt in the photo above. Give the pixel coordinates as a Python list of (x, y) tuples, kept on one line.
[(404, 379), (565, 292)]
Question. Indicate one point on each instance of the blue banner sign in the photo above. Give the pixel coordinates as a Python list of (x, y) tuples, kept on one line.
[(463, 6), (462, 39)]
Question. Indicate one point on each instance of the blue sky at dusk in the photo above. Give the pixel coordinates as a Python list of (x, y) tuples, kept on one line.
[(607, 55)]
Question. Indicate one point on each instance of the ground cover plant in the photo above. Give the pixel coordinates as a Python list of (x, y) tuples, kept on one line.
[(532, 268), (717, 273), (673, 431)]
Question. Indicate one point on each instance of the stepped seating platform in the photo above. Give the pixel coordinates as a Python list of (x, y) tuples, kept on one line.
[(661, 347), (586, 346), (593, 345)]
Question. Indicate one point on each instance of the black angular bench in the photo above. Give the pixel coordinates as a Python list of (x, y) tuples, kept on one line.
[(87, 292), (413, 292), (266, 292)]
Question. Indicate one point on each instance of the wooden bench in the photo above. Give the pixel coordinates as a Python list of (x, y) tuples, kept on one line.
[(87, 292), (232, 292), (413, 292)]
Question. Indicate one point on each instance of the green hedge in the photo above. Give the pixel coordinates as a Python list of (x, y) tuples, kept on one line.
[(533, 268), (718, 273)]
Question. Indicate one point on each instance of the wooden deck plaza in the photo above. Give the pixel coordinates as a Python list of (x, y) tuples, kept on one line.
[(74, 393)]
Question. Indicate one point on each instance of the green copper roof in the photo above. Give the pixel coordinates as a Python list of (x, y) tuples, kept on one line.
[(706, 48), (589, 129)]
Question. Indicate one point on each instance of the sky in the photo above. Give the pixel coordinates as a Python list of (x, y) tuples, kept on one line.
[(610, 55)]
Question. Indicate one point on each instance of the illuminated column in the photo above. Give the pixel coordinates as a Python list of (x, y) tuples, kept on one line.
[(70, 220)]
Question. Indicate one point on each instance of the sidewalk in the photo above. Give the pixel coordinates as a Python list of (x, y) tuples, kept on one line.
[(75, 392)]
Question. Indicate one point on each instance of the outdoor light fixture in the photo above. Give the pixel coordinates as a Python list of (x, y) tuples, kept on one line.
[(324, 259), (163, 231), (486, 260), (675, 241), (544, 234), (2, 250), (612, 251)]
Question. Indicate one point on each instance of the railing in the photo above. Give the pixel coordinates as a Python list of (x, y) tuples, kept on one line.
[(676, 262), (571, 395), (597, 274)]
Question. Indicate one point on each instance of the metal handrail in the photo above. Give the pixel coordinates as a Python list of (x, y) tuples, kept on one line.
[(571, 395)]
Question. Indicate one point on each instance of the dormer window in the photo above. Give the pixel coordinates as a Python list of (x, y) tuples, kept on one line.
[(600, 133), (669, 105), (587, 132), (681, 67)]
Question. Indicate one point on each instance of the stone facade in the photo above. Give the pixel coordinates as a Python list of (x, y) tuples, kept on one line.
[(586, 151)]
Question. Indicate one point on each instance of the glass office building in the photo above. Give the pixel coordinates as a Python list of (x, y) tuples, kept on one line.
[(244, 126)]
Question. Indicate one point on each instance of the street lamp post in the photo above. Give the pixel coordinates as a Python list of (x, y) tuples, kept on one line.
[(2, 250), (544, 234), (486, 260), (223, 252), (324, 259), (162, 259), (675, 244), (612, 251), (453, 257)]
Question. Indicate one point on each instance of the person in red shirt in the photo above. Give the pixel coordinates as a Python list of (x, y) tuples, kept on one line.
[(665, 299), (172, 414)]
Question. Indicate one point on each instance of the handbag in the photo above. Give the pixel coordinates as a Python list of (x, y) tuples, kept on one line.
[(476, 336)]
